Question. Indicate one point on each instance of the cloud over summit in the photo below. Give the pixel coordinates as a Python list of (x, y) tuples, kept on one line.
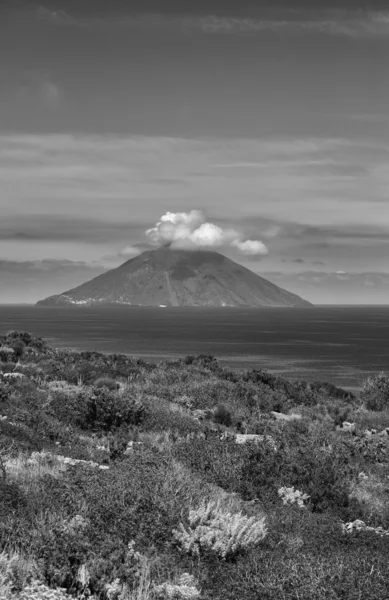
[(191, 230)]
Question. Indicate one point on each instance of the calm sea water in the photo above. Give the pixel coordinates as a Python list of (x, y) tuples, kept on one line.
[(339, 344)]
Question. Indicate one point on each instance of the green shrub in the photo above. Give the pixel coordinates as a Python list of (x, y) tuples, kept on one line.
[(108, 410), (106, 382), (375, 392), (218, 462), (70, 403), (94, 408), (160, 418), (222, 415), (12, 498), (18, 347), (4, 393), (6, 353), (7, 367)]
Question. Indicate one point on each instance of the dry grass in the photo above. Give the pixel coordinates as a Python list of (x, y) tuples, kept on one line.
[(162, 440), (367, 419), (26, 470), (143, 590), (372, 495), (15, 571)]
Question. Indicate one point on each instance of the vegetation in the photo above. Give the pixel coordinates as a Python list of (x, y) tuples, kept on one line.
[(125, 480)]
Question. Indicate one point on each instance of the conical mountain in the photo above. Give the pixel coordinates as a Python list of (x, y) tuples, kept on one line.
[(173, 277)]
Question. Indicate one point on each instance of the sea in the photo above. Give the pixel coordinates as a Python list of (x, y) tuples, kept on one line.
[(339, 344)]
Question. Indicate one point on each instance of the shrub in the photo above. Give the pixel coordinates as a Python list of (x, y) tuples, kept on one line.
[(222, 415), (339, 414), (70, 403), (7, 367), (111, 384), (212, 529), (12, 499), (128, 501), (108, 410), (94, 408), (4, 393), (375, 392), (18, 347), (289, 495), (183, 588), (160, 418), (37, 589), (6, 353), (15, 573), (218, 462)]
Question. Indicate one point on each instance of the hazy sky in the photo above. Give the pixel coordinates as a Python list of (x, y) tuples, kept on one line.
[(271, 120)]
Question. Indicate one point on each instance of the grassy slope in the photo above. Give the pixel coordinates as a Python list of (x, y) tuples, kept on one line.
[(69, 525)]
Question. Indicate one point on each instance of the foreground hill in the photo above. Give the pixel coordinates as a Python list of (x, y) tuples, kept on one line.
[(125, 480), (178, 278)]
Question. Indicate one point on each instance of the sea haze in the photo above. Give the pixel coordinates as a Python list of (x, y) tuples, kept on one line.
[(339, 344)]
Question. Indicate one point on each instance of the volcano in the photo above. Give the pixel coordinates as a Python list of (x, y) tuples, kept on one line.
[(173, 277)]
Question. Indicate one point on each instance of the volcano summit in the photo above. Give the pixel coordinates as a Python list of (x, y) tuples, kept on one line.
[(172, 277)]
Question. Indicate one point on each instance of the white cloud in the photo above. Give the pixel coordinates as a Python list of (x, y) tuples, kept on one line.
[(251, 247), (116, 181), (129, 252), (191, 230), (346, 23), (208, 234)]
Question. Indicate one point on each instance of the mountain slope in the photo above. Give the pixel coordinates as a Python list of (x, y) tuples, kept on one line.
[(178, 278)]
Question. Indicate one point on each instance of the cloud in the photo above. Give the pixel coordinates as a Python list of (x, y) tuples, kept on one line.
[(62, 228), (343, 23), (37, 87), (81, 195), (191, 230), (129, 252), (251, 247), (330, 22), (43, 13)]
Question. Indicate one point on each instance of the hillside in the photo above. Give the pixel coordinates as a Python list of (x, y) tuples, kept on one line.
[(123, 480), (178, 278)]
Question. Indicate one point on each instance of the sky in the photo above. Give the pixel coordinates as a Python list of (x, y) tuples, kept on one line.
[(269, 118)]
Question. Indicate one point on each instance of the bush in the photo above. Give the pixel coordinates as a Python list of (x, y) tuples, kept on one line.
[(12, 498), (160, 418), (183, 588), (94, 408), (218, 462), (7, 367), (70, 403), (106, 382), (18, 347), (222, 415), (6, 353), (212, 529), (375, 392), (108, 410), (4, 393)]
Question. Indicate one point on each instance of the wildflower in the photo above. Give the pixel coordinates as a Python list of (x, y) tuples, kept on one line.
[(184, 588), (291, 496)]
